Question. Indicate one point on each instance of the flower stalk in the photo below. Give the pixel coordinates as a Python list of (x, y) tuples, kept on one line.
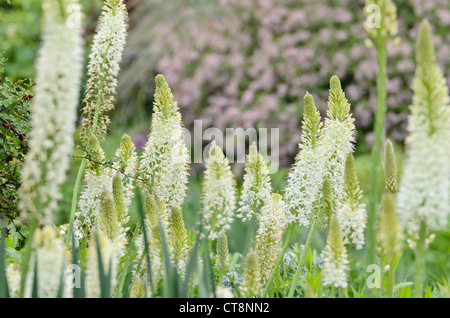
[(380, 35)]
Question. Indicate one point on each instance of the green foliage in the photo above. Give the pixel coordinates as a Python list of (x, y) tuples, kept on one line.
[(20, 32), (15, 103)]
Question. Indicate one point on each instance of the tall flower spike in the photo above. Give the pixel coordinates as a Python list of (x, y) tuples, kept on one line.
[(272, 223), (179, 239), (256, 188), (338, 137), (390, 167), (423, 194), (381, 23), (390, 234), (251, 281), (306, 176), (335, 263), (59, 72), (104, 66), (218, 196), (351, 214), (165, 161)]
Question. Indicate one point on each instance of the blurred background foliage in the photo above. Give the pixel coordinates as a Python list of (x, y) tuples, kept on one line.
[(248, 63), (20, 33)]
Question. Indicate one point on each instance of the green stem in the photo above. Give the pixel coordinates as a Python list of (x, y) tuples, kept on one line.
[(380, 112), (75, 200), (391, 279), (301, 261), (280, 258), (420, 262)]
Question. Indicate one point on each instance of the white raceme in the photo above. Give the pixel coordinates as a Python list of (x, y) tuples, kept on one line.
[(322, 155), (104, 66), (53, 114), (218, 195), (165, 161)]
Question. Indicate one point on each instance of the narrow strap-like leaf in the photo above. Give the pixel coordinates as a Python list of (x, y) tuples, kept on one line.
[(104, 284), (34, 291), (171, 284), (147, 254), (4, 290), (61, 285), (192, 263)]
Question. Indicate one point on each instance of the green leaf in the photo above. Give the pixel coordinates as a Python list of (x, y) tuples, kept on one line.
[(191, 265), (315, 284), (24, 264), (60, 291), (171, 284), (309, 260), (4, 290), (105, 281), (428, 293), (144, 230), (125, 273), (401, 285), (35, 288), (355, 293), (405, 292)]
